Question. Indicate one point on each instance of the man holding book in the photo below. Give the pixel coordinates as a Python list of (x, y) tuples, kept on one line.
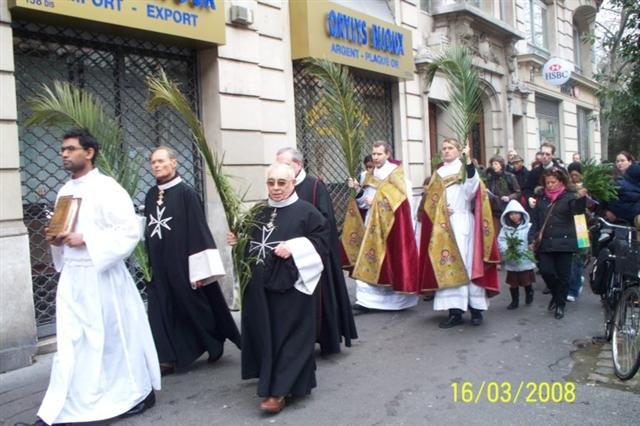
[(106, 364)]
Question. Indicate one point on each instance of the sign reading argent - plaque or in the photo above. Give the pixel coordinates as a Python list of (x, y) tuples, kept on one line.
[(199, 20), (323, 29), (557, 71)]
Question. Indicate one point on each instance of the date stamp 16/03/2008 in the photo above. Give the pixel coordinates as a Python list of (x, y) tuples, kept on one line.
[(495, 392)]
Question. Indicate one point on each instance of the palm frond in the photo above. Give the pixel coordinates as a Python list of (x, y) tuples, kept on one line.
[(597, 178), (463, 77), (165, 93), (65, 105), (344, 119)]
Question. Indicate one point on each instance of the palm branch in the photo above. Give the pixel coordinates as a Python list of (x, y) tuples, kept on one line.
[(65, 105), (598, 179), (344, 118), (463, 77), (242, 222)]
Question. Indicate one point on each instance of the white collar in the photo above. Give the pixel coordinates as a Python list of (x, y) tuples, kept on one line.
[(450, 168), (385, 170), (300, 177), (173, 182), (283, 203), (86, 176)]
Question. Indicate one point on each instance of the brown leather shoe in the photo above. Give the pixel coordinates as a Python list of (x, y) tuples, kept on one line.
[(273, 404)]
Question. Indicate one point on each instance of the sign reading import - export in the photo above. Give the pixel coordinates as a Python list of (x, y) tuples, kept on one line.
[(321, 29), (200, 20)]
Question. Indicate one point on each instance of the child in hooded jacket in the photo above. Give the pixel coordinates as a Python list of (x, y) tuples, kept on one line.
[(520, 272)]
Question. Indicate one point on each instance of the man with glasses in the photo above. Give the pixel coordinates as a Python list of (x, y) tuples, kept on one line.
[(278, 309), (106, 364)]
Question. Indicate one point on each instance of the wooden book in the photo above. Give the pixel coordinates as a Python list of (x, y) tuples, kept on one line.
[(65, 216)]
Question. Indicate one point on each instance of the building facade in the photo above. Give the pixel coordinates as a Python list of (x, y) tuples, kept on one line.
[(511, 42), (241, 65)]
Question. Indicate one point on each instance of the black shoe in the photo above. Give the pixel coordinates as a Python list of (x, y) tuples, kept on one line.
[(476, 316), (559, 312), (452, 321), (515, 298), (167, 368), (546, 291), (142, 406), (38, 422), (359, 309), (552, 305), (528, 291)]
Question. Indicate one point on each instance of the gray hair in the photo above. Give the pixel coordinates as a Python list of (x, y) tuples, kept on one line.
[(277, 167), (170, 151), (295, 154)]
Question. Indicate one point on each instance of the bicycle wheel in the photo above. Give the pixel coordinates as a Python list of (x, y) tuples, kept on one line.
[(609, 302), (626, 334)]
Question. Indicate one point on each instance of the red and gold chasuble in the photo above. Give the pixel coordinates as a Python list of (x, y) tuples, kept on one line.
[(388, 251), (441, 265)]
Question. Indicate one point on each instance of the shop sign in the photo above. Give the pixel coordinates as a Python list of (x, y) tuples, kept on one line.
[(200, 20), (557, 71), (328, 30)]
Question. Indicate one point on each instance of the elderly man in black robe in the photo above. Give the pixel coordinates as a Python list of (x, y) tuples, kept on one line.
[(278, 309), (187, 311), (334, 314)]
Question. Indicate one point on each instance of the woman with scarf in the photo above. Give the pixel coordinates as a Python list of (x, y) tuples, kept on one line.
[(554, 230)]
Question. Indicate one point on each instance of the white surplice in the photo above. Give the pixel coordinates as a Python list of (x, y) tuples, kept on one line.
[(460, 198), (374, 296), (106, 361)]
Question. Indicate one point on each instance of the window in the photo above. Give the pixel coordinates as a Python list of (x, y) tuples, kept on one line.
[(425, 6), (577, 47), (548, 115), (535, 22), (583, 132)]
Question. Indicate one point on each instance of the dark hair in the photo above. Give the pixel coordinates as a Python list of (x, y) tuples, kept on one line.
[(557, 172), (386, 145), (496, 158), (628, 155), (367, 159), (85, 139), (574, 167), (548, 145)]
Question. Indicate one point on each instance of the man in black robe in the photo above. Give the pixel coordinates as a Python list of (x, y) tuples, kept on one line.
[(187, 311), (334, 314), (278, 309)]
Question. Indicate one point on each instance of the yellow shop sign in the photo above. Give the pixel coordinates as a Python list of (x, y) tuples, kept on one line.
[(322, 29), (199, 20)]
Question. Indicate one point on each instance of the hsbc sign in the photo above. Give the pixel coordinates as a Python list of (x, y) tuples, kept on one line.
[(557, 71)]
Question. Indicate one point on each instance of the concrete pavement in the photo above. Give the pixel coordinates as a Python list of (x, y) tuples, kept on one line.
[(403, 371)]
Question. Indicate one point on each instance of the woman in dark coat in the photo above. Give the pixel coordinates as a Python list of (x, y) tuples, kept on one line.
[(503, 187), (558, 241)]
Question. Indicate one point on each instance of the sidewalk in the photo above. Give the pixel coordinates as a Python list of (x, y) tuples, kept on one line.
[(21, 391)]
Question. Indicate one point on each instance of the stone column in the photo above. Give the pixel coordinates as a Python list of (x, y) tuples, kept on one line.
[(17, 317)]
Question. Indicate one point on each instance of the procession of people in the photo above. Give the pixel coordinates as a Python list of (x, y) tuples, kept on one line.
[(470, 226)]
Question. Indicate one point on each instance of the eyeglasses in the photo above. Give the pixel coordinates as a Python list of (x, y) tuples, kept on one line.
[(69, 149), (280, 182)]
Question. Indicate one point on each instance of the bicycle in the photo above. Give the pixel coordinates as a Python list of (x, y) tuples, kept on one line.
[(616, 277)]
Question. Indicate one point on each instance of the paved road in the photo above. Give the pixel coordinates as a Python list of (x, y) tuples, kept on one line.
[(400, 372)]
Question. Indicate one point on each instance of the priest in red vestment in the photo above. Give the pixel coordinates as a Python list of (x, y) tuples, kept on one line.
[(458, 250), (386, 264)]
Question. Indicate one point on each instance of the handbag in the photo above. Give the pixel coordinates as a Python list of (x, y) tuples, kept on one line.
[(537, 242)]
